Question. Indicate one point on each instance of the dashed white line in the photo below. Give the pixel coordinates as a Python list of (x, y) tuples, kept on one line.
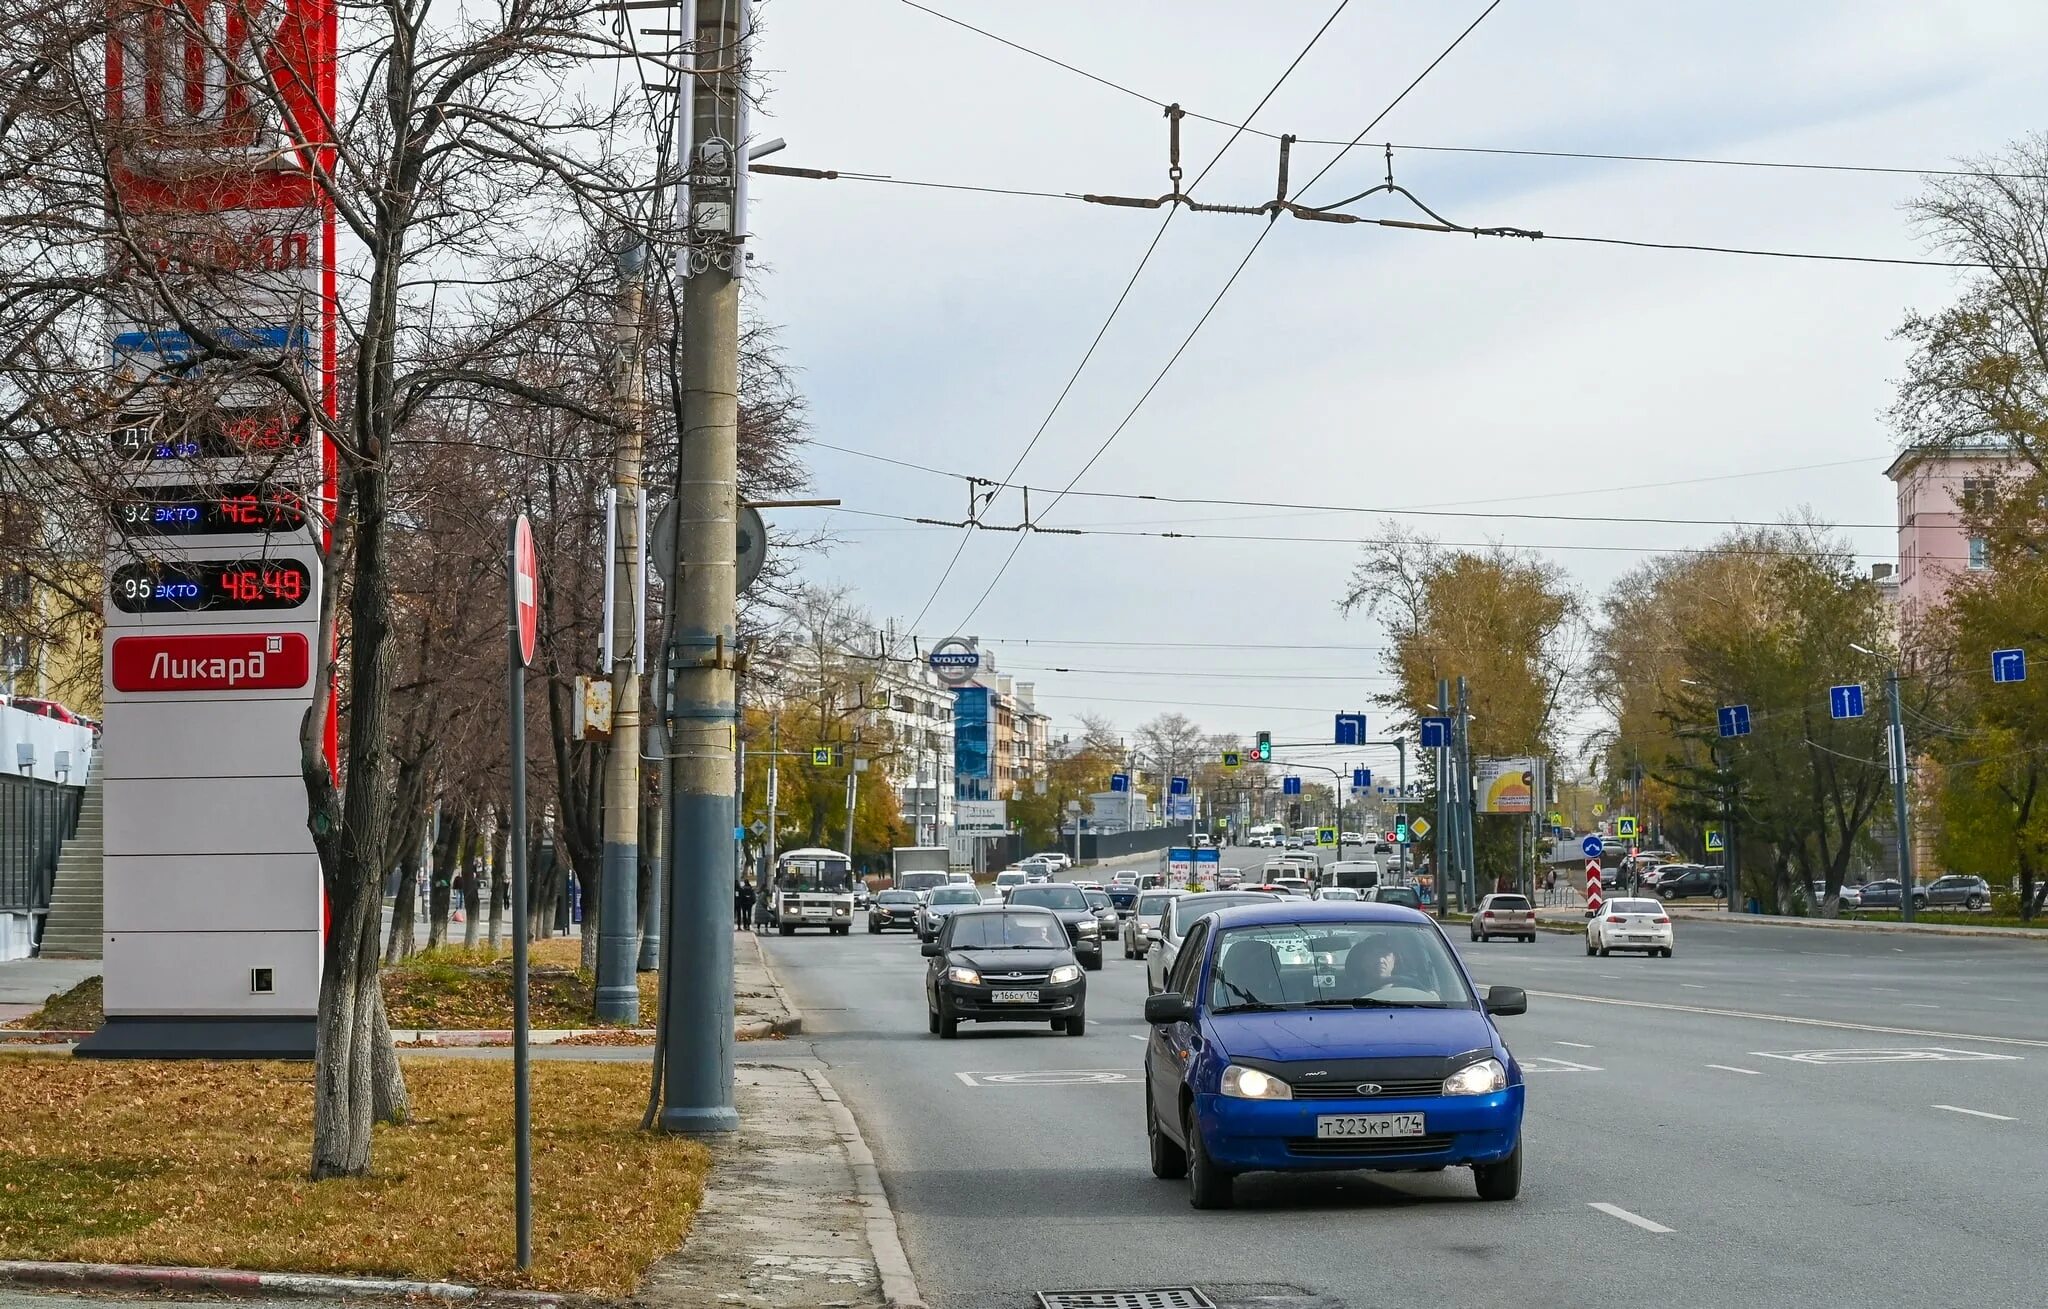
[(1576, 1045), (1906, 1004), (1731, 1068), (1616, 1211), (966, 1079), (1692, 986), (1892, 989), (1612, 977), (1136, 1036), (1976, 1113)]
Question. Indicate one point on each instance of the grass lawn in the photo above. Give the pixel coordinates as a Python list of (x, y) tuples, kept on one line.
[(204, 1164), (1946, 918), (445, 988)]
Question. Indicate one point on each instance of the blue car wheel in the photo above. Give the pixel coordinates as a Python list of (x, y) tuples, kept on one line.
[(1169, 1161), (1500, 1181), (1210, 1186)]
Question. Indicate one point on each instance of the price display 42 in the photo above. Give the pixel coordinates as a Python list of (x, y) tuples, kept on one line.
[(242, 508), (211, 585)]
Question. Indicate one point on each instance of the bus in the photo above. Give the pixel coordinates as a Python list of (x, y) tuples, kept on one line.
[(813, 888)]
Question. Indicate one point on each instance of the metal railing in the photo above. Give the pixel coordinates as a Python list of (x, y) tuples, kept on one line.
[(36, 818)]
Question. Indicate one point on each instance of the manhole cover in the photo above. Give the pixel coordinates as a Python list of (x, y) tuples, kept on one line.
[(1158, 1297)]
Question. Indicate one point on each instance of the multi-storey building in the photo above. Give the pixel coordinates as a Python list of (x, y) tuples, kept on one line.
[(919, 711), (1935, 488)]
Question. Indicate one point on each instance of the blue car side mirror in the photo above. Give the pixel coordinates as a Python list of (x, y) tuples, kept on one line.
[(1168, 1007)]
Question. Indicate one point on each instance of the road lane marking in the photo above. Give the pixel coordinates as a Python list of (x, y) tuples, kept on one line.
[(1576, 1045), (1136, 1036), (1692, 986), (1616, 1211), (1731, 1068), (1933, 1054), (1892, 989), (1976, 1113), (1836, 1023), (1544, 1063), (965, 1078), (1903, 1004), (1051, 1077)]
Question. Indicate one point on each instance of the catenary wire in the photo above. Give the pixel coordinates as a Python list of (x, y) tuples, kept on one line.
[(1603, 156), (1123, 296), (1229, 282)]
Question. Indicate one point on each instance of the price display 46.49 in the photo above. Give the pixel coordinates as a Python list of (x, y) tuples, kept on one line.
[(202, 585)]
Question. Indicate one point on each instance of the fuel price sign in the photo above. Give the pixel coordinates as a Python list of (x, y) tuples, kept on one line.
[(191, 586)]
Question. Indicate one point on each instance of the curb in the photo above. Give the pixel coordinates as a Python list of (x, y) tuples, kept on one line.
[(145, 1278), (792, 1020), (885, 1240), (1853, 925), (769, 1029)]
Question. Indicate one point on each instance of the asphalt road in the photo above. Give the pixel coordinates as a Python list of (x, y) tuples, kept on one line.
[(1816, 1118)]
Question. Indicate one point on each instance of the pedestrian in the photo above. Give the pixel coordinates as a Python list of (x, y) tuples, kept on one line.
[(742, 905)]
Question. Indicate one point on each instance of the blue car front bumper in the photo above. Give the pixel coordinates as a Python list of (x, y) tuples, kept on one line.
[(1280, 1135)]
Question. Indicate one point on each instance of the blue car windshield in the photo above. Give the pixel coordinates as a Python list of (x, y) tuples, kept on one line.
[(1335, 965)]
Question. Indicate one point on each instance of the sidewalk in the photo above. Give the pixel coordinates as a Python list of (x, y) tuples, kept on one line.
[(26, 983)]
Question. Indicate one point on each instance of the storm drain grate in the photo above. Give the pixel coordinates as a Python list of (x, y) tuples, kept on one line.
[(1158, 1297)]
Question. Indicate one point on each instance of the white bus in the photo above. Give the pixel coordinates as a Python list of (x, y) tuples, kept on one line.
[(813, 888)]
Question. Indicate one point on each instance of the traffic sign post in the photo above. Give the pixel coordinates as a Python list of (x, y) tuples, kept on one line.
[(1715, 845), (1119, 782), (1290, 786), (1361, 778), (1846, 701), (1350, 729), (1436, 733), (1592, 887), (1418, 829), (522, 628), (1326, 836), (1734, 720), (1591, 847), (1625, 827), (1233, 759), (1179, 786)]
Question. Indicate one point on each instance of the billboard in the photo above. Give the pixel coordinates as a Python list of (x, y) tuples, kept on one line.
[(216, 129), (981, 817), (1506, 786), (970, 734)]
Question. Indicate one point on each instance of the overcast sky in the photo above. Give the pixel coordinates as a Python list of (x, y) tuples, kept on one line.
[(1354, 365)]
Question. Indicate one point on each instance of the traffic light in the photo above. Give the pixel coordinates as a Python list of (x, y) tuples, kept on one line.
[(1400, 829), (1265, 747)]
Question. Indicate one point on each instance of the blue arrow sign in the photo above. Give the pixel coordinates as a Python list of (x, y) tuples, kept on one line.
[(1290, 786), (1436, 733), (1846, 701), (1119, 781), (2008, 665), (1734, 720), (1179, 786), (1591, 846), (1361, 778), (1350, 729)]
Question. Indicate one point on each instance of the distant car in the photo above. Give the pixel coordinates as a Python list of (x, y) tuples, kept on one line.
[(1885, 895), (1180, 916), (1959, 888), (941, 905), (1295, 886), (1690, 880), (1354, 838), (1146, 881), (1070, 904), (960, 879), (1123, 877), (1504, 915), (893, 909), (1387, 893), (1058, 859), (1107, 920), (1141, 929), (1851, 896), (1291, 843), (1004, 965), (1630, 925), (1338, 893), (861, 894), (29, 704), (1008, 878), (1227, 878), (1295, 1037), (1037, 864)]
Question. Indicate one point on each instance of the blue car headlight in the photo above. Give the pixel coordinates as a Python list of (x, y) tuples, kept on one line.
[(1481, 1078), (1242, 1083)]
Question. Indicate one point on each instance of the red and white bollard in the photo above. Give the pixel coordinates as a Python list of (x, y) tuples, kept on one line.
[(1592, 887)]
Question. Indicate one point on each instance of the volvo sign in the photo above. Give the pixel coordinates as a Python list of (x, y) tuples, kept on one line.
[(955, 661)]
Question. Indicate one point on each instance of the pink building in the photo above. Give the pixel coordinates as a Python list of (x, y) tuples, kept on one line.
[(1934, 544)]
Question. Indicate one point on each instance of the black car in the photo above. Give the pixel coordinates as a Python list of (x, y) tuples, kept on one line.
[(1070, 902), (1390, 893), (1696, 880), (893, 909), (1004, 964)]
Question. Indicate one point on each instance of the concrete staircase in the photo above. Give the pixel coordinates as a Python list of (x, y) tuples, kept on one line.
[(77, 903)]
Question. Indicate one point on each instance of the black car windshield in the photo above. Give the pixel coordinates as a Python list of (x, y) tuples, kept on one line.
[(1399, 895), (896, 897), (1055, 895), (1006, 932), (955, 895), (1363, 965)]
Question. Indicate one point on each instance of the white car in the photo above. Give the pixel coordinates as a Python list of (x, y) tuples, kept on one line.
[(1338, 893), (1054, 858), (1298, 887), (1630, 925), (1006, 879), (1179, 916), (1354, 838)]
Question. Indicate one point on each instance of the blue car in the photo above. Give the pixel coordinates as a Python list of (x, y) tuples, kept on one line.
[(1301, 1035)]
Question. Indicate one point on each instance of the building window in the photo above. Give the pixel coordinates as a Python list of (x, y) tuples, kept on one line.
[(1979, 560), (1976, 493), (14, 589)]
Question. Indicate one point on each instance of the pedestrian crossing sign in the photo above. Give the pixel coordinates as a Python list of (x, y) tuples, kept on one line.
[(1625, 827), (1233, 758), (1326, 836), (1714, 842), (821, 756)]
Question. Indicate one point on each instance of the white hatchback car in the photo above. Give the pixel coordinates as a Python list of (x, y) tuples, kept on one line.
[(1630, 925)]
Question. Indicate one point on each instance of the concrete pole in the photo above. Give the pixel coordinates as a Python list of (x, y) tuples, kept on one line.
[(697, 1030), (1902, 815), (618, 946)]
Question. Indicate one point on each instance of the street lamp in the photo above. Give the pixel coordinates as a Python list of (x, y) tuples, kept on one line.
[(1895, 750)]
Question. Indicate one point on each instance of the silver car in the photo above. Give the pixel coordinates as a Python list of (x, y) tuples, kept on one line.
[(1141, 929), (1180, 914)]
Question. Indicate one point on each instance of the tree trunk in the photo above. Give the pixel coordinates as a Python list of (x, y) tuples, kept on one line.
[(400, 944), (472, 908), (448, 844), (390, 1103), (501, 879)]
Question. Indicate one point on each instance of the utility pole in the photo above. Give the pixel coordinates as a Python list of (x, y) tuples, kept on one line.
[(618, 945), (1469, 864), (1401, 805), (702, 709), (1443, 801), (1895, 740), (766, 876)]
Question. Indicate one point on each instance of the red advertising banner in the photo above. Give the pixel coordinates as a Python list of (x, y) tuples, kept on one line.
[(213, 661)]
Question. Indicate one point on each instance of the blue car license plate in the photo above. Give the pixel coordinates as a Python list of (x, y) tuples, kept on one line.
[(1367, 1127)]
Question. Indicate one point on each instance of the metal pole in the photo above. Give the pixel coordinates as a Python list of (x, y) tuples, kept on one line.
[(697, 1029), (1443, 799), (618, 947), (1900, 816), (1468, 860), (765, 878), (522, 1108), (1401, 806)]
